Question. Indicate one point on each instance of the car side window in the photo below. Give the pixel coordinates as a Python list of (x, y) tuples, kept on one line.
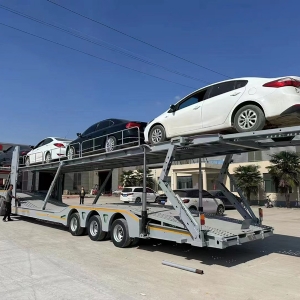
[(222, 88), (90, 130), (194, 194), (103, 125), (198, 97), (138, 190), (39, 144), (47, 141), (240, 83), (149, 190)]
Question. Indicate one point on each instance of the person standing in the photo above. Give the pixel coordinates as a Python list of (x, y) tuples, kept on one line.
[(82, 194), (7, 203)]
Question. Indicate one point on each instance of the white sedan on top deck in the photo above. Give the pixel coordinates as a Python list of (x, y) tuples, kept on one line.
[(47, 150), (238, 105)]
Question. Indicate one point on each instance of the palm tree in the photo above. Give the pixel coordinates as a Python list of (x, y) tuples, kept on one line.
[(248, 178), (135, 178), (285, 171)]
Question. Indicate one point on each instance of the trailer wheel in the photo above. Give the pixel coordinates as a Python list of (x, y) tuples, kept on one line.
[(120, 233), (74, 225), (95, 231)]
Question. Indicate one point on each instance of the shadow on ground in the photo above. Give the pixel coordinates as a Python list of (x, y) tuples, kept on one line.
[(229, 257)]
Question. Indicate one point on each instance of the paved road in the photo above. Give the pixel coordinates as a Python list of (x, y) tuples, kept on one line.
[(40, 261)]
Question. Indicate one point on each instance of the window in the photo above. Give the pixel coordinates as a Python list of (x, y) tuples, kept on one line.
[(103, 125), (138, 190), (127, 190), (269, 185), (240, 83), (47, 141), (77, 181), (197, 97), (184, 182), (221, 88), (232, 187), (39, 144), (149, 190), (90, 130), (181, 194), (255, 156)]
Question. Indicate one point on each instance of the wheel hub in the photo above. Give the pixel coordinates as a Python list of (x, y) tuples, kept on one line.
[(247, 119), (156, 135), (118, 233), (110, 144), (74, 224), (94, 228)]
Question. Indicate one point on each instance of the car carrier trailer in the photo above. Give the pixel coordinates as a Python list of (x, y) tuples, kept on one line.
[(126, 224)]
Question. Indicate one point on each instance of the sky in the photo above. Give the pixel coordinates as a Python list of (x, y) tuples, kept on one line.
[(49, 90)]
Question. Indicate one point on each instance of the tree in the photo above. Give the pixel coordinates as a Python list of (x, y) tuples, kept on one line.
[(285, 171), (135, 178), (248, 179)]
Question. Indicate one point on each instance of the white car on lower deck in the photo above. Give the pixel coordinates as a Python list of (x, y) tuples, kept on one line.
[(190, 197), (239, 105), (134, 194), (47, 150)]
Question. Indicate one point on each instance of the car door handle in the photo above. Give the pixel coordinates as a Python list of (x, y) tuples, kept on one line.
[(197, 107), (235, 94)]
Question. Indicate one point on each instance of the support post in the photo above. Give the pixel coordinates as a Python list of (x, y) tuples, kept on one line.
[(52, 185), (102, 187), (200, 187), (15, 170), (144, 196)]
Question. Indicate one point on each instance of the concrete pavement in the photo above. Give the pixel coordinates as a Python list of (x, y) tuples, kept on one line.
[(43, 261)]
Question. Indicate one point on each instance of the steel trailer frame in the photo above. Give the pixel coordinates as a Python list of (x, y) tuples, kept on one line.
[(127, 223)]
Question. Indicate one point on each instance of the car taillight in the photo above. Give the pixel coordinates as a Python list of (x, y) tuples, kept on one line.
[(132, 124), (59, 145), (23, 153), (185, 200), (283, 82)]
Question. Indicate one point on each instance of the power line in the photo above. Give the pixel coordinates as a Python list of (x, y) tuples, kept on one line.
[(88, 39), (95, 56), (137, 39)]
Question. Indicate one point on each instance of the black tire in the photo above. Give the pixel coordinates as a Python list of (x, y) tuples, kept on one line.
[(220, 210), (48, 158), (120, 233), (157, 135), (110, 144), (138, 200), (74, 225), (95, 231), (71, 153), (193, 209), (134, 242), (246, 114)]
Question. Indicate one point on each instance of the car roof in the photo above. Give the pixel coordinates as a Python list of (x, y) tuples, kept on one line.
[(233, 79)]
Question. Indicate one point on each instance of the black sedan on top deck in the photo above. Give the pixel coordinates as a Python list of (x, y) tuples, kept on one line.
[(106, 136)]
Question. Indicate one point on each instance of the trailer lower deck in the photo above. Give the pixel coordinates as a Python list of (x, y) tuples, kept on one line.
[(162, 222)]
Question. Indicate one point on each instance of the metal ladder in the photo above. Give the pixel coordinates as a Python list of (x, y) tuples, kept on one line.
[(7, 183)]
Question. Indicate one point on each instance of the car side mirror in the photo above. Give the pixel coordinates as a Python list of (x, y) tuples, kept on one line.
[(172, 108), (31, 147), (79, 134)]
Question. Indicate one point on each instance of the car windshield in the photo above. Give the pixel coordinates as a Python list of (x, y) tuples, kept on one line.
[(126, 190)]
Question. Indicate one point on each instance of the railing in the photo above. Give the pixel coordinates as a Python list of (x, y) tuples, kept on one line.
[(94, 148), (57, 153)]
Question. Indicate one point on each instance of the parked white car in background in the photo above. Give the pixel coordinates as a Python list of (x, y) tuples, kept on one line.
[(134, 194), (47, 150), (239, 105), (190, 197)]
